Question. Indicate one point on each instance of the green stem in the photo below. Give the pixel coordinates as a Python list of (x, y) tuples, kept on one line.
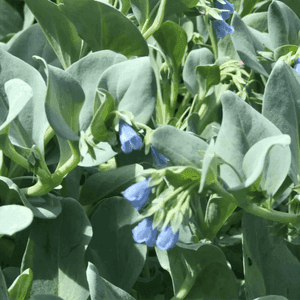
[(174, 92), (145, 26), (206, 114), (254, 209), (10, 152), (263, 79), (212, 36), (186, 286), (146, 271), (272, 215), (158, 20), (160, 109), (45, 185), (183, 106), (49, 134)]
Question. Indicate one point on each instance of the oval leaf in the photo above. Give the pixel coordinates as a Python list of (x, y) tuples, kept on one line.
[(14, 218)]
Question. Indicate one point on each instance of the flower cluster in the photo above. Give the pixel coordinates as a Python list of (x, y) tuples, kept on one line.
[(131, 140), (138, 194), (220, 26)]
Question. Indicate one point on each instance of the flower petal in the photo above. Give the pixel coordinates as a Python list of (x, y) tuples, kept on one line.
[(129, 138), (158, 158), (144, 232), (221, 28), (167, 239), (228, 6), (138, 193)]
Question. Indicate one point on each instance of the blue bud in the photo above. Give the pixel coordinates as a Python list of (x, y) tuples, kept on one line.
[(138, 193), (144, 232), (129, 138), (228, 6), (167, 239), (158, 158), (221, 28)]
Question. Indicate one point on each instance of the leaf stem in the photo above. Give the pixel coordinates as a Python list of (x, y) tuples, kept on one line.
[(158, 20), (47, 184)]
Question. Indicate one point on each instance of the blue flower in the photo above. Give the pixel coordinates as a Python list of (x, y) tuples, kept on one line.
[(144, 232), (221, 28), (129, 138), (138, 193), (158, 158), (167, 239), (297, 66), (228, 6)]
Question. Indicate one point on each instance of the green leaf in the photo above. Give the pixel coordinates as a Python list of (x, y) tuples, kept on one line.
[(20, 289), (31, 124), (18, 93), (173, 41), (283, 25), (32, 41), (218, 210), (266, 272), (133, 86), (207, 77), (284, 50), (14, 218), (242, 127), (45, 207), (258, 21), (93, 21), (100, 288), (214, 279), (87, 71), (199, 57), (112, 223), (209, 167), (10, 19), (3, 288), (64, 100), (59, 31), (106, 184), (59, 246), (169, 141), (140, 9), (246, 7), (269, 160), (98, 127), (246, 42), (281, 107), (271, 297)]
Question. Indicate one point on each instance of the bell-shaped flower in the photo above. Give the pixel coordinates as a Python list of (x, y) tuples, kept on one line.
[(129, 138), (138, 193), (144, 232), (167, 239), (297, 65), (221, 28), (228, 6), (158, 158)]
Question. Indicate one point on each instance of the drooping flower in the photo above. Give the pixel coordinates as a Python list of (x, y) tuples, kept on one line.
[(144, 232), (297, 65), (167, 239), (129, 138), (138, 193), (158, 158), (221, 28), (228, 6)]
